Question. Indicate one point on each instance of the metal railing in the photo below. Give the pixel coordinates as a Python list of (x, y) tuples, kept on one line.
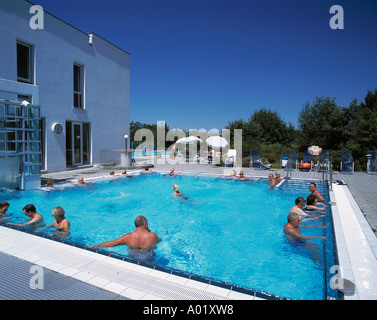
[(327, 173)]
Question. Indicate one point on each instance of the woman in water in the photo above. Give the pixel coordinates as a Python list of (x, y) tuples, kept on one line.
[(178, 193)]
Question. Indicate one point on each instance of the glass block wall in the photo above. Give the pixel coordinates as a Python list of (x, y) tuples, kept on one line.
[(20, 142)]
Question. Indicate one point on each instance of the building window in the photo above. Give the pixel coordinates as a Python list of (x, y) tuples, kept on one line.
[(24, 63), (78, 86)]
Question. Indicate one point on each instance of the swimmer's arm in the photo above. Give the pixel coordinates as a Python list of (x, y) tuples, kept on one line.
[(298, 235), (35, 219), (112, 243), (49, 227), (303, 213), (310, 226), (27, 223)]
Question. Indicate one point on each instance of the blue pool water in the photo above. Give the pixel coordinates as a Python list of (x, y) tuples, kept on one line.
[(227, 230)]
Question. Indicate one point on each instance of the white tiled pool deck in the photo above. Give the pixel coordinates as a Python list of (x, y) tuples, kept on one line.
[(124, 278), (356, 244)]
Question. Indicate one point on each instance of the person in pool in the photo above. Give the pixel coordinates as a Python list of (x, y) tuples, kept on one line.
[(146, 170), (292, 230), (176, 192), (60, 223), (111, 175), (141, 241), (4, 205), (241, 176), (31, 212), (312, 204), (298, 208), (271, 179), (313, 189), (233, 174), (172, 172)]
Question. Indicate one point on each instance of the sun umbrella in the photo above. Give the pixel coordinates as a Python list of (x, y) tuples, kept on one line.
[(190, 140), (217, 142), (315, 149)]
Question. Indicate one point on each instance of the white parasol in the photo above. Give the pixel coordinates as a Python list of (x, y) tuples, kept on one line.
[(189, 140), (315, 149), (217, 142)]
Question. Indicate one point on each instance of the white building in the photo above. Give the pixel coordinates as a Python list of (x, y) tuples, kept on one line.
[(78, 87)]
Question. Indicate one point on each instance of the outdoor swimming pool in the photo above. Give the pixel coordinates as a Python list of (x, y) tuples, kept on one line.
[(228, 230)]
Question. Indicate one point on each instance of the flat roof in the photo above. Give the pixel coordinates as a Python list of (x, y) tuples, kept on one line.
[(87, 34)]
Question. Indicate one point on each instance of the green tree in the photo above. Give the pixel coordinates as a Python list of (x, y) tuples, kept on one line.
[(321, 123), (134, 126), (263, 129), (361, 128), (264, 126)]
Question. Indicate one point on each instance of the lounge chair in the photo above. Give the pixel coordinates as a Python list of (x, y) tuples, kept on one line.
[(230, 159), (372, 161), (323, 161), (192, 156), (255, 162), (347, 165), (292, 160), (307, 161)]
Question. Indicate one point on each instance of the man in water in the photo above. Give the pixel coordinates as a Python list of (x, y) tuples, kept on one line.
[(292, 230), (241, 176), (313, 189), (81, 182), (31, 212), (298, 208), (141, 242)]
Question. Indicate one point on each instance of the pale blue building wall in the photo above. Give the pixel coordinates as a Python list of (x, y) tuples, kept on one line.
[(56, 48)]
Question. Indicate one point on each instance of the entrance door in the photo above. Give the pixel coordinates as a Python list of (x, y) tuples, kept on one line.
[(77, 143)]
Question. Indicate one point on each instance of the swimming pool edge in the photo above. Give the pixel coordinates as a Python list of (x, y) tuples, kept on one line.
[(103, 270), (356, 245)]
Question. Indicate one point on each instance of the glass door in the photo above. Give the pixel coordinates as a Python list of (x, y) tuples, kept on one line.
[(77, 143)]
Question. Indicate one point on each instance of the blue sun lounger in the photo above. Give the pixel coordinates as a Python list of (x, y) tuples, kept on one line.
[(347, 164), (255, 162)]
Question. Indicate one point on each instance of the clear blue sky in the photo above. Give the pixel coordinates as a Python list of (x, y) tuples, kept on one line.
[(202, 63)]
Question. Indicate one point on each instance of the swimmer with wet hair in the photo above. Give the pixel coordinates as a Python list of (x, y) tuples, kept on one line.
[(176, 192)]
